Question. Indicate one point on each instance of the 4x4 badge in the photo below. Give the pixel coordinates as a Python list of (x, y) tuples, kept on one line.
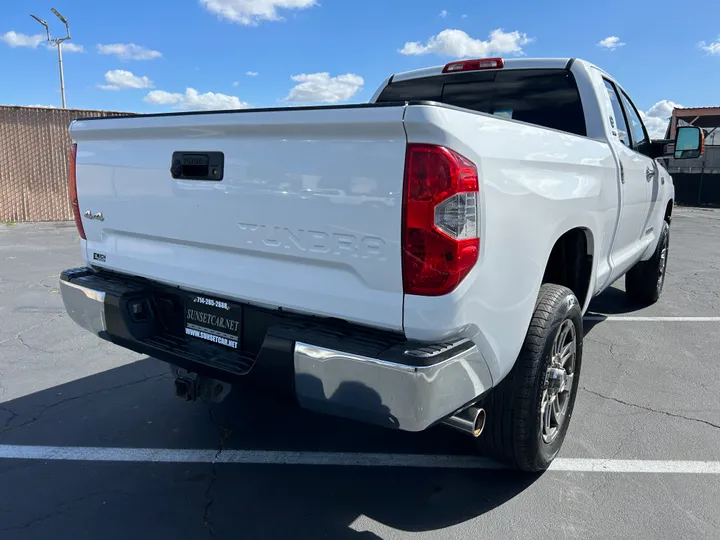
[(98, 216)]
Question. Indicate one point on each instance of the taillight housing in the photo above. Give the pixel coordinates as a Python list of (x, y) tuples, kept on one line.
[(72, 188), (440, 237)]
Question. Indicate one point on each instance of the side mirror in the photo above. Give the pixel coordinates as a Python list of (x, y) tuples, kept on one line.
[(689, 142)]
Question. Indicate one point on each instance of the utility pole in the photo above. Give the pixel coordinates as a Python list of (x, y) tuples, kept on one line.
[(58, 43)]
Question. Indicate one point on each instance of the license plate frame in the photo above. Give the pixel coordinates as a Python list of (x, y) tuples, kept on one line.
[(213, 320)]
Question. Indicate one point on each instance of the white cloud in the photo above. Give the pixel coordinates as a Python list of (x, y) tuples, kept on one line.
[(657, 117), (611, 43), (22, 40), (236, 83), (458, 44), (129, 51), (711, 48), (252, 74), (161, 97), (322, 88), (193, 100), (656, 126), (73, 47), (119, 79), (67, 47), (443, 14), (252, 12), (663, 109), (463, 16)]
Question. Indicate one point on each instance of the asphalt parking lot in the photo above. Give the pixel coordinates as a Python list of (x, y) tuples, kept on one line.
[(648, 401)]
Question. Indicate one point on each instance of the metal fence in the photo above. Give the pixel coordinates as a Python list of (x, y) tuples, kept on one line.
[(697, 181), (34, 150), (708, 162), (697, 189)]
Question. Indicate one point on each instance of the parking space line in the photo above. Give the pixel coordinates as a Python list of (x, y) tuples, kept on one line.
[(693, 215), (281, 457), (599, 317)]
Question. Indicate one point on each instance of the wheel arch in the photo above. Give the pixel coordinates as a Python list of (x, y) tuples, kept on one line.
[(571, 262)]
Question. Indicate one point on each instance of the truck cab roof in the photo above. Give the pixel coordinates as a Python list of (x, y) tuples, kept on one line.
[(512, 63)]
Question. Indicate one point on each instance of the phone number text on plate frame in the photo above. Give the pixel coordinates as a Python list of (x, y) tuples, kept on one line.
[(212, 303)]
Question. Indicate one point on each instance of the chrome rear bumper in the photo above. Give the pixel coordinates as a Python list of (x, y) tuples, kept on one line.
[(411, 398), (85, 306), (407, 386)]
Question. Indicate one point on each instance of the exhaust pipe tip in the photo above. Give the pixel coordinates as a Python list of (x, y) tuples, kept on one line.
[(479, 422), (470, 420)]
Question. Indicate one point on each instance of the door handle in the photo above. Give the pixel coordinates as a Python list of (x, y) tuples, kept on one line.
[(649, 174)]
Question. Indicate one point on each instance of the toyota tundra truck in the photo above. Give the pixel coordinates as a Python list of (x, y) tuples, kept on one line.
[(422, 259)]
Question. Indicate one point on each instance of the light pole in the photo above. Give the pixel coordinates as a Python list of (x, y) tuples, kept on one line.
[(58, 43)]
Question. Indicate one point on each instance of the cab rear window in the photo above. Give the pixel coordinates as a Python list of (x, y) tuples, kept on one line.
[(545, 97)]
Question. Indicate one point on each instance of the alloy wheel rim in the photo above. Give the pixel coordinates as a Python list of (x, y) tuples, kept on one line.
[(558, 383)]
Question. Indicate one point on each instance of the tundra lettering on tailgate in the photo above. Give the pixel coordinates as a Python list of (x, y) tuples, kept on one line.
[(312, 241)]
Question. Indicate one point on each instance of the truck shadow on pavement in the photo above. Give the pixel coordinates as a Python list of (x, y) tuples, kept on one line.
[(613, 301), (134, 406)]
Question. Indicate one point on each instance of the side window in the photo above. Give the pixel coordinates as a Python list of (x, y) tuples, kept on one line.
[(621, 126), (637, 129), (426, 89)]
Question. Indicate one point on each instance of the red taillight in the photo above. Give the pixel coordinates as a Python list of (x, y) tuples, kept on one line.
[(474, 65), (440, 223), (72, 184)]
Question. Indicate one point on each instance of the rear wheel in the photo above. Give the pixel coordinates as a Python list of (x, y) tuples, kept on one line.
[(529, 412), (644, 282)]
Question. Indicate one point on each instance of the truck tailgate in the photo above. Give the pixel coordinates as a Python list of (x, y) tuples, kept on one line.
[(307, 216)]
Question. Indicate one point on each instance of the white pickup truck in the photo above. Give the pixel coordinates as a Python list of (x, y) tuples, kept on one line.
[(425, 258)]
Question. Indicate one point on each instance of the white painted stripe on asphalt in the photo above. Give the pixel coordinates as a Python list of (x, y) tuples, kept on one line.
[(636, 466), (280, 457), (708, 216), (649, 319)]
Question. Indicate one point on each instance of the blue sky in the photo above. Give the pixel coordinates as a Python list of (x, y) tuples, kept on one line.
[(328, 51)]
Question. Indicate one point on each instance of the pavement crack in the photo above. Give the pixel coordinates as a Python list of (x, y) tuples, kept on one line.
[(19, 334), (42, 282), (45, 409), (650, 409), (41, 350), (33, 521), (209, 495), (62, 507), (613, 354), (13, 415), (28, 346)]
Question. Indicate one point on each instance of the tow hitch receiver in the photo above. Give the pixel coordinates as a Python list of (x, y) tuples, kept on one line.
[(191, 386)]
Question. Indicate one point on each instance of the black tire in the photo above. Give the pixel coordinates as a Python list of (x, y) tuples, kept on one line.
[(513, 431), (644, 282)]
